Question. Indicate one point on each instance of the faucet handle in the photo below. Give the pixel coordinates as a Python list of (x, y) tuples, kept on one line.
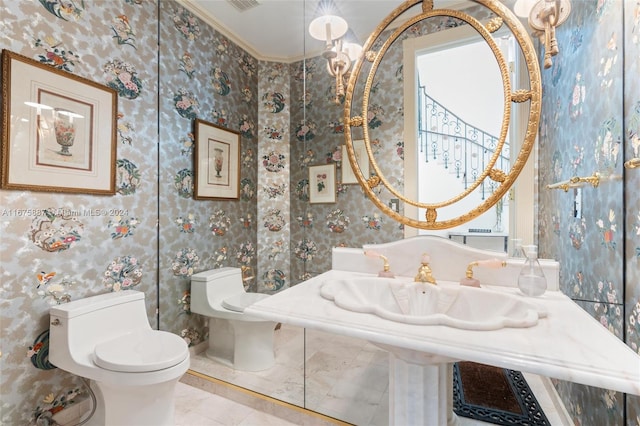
[(488, 263), (491, 263), (386, 270)]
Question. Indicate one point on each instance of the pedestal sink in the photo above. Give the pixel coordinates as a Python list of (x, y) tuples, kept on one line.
[(447, 303), (425, 336), (419, 382)]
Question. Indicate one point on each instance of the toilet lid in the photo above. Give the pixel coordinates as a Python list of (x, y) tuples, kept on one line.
[(140, 351), (240, 301)]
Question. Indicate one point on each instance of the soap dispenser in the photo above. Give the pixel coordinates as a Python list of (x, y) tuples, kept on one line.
[(532, 281)]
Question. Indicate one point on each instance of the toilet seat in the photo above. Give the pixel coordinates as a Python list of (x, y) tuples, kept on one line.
[(141, 351), (238, 302)]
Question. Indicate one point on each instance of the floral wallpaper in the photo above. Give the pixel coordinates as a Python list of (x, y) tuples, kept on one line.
[(60, 247), (202, 75), (152, 235), (631, 219), (590, 124), (318, 140), (353, 220), (274, 165)]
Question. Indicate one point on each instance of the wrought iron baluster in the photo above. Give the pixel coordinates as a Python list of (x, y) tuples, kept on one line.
[(472, 147)]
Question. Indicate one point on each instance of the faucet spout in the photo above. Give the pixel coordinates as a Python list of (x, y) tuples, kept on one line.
[(425, 274)]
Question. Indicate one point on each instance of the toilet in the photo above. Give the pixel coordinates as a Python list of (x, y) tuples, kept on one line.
[(236, 339), (133, 369)]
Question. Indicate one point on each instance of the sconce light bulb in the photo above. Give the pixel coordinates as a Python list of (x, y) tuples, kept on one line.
[(522, 8), (353, 50), (328, 28)]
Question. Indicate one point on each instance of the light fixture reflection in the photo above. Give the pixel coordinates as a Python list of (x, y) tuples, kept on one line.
[(339, 55), (37, 106), (69, 114), (41, 121)]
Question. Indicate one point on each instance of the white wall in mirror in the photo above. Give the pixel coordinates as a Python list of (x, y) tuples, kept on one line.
[(455, 74)]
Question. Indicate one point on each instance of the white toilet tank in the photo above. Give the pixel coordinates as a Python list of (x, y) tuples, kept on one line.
[(214, 285), (77, 326)]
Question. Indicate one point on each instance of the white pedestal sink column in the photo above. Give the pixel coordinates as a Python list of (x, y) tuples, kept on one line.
[(420, 389)]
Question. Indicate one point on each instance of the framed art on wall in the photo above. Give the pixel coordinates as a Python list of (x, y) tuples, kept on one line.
[(58, 129), (322, 184), (360, 150), (217, 162)]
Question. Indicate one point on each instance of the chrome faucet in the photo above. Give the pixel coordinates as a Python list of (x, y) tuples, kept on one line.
[(424, 271)]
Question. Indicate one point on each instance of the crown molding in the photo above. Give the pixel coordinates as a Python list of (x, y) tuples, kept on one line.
[(219, 26)]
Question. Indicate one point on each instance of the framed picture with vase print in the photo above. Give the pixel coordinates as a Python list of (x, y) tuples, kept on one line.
[(58, 129), (217, 162)]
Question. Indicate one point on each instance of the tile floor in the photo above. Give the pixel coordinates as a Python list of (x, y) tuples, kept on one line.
[(196, 407), (338, 369)]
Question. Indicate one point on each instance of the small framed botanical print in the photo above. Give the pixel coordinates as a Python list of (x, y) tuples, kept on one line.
[(322, 184)]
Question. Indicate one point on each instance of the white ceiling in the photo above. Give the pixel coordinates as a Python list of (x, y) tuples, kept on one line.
[(276, 30)]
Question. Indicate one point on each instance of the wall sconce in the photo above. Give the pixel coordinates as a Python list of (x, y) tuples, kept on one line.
[(339, 55), (544, 16)]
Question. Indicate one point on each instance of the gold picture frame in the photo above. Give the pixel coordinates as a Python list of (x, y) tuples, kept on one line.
[(322, 184), (217, 162), (348, 174), (58, 130)]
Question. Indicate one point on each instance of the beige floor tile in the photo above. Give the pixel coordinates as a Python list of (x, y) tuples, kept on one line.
[(346, 379)]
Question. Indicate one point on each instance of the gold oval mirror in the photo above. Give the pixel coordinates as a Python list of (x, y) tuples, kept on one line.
[(488, 157)]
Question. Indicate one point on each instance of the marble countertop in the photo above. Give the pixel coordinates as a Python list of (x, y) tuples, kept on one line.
[(568, 344)]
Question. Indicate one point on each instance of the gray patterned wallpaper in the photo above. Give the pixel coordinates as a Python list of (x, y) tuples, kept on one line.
[(53, 248), (359, 220), (590, 123), (158, 235), (631, 220), (202, 75)]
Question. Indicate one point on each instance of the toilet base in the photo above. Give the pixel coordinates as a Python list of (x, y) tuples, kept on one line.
[(242, 345), (152, 405)]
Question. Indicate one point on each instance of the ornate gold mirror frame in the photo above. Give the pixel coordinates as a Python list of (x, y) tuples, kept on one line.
[(353, 119)]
